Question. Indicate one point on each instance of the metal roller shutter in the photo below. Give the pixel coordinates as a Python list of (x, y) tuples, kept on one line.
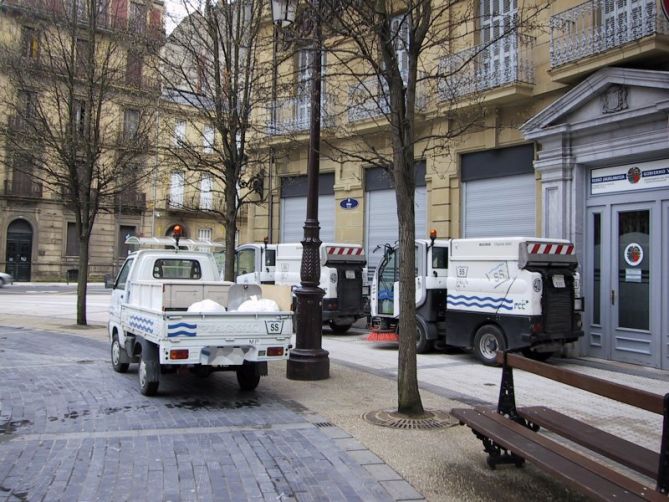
[(294, 212), (500, 207), (294, 208)]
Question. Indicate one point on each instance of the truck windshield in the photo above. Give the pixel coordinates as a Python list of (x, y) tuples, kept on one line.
[(177, 269), (245, 262)]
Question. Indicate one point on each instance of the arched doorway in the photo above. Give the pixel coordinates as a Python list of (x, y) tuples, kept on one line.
[(19, 249)]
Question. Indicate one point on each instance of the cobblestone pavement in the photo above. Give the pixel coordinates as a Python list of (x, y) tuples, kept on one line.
[(72, 429)]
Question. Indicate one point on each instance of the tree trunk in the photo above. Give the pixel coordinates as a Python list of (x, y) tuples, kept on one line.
[(230, 219), (82, 283)]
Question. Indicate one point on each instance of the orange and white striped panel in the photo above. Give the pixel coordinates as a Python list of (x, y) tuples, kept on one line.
[(550, 248), (345, 251)]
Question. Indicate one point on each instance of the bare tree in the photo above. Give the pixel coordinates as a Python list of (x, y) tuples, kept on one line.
[(80, 118), (215, 77), (402, 62)]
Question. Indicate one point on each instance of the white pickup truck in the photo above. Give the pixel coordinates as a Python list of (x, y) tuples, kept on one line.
[(150, 322)]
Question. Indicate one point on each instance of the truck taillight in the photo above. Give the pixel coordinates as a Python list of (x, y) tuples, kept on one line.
[(274, 351), (330, 304), (177, 354), (537, 327)]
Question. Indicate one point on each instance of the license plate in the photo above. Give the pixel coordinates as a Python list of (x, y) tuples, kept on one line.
[(350, 274), (558, 281)]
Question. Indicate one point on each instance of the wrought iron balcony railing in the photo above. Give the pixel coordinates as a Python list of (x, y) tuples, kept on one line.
[(484, 67), (130, 200), (61, 10), (293, 115), (598, 26), (370, 99), (23, 188)]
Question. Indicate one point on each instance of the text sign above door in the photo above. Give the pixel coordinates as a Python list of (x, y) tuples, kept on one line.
[(645, 175)]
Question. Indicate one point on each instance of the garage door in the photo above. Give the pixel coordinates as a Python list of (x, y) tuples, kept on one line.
[(294, 208), (499, 192), (381, 225), (511, 211)]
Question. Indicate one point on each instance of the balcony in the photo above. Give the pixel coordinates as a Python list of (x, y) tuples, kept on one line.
[(482, 68), (142, 83), (129, 201), (600, 26), (370, 99), (62, 11), (293, 115), (26, 189)]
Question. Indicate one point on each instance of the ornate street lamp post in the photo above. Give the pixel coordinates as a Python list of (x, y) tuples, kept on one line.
[(308, 360)]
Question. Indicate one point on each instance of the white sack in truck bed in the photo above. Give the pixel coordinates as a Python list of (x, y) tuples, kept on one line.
[(206, 306), (256, 304)]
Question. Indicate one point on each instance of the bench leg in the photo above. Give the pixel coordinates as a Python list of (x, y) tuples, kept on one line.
[(506, 404), (498, 455), (663, 468)]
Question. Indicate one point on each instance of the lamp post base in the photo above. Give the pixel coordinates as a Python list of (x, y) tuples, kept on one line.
[(308, 364)]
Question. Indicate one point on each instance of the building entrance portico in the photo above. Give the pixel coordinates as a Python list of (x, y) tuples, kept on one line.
[(604, 165)]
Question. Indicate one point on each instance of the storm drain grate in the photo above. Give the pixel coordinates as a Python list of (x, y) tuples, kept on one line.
[(323, 424), (431, 419)]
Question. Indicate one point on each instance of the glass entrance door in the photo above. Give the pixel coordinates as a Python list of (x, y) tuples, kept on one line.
[(633, 276), (624, 278)]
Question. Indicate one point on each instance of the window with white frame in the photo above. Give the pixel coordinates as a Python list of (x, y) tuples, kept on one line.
[(498, 36), (208, 138), (305, 58), (176, 197), (180, 132), (399, 27), (204, 234), (206, 192)]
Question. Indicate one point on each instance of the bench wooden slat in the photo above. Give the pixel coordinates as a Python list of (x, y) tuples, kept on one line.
[(583, 473), (622, 451), (622, 393)]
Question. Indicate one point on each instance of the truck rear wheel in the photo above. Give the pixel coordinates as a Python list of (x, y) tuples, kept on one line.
[(423, 345), (148, 379), (116, 349), (487, 341), (339, 328), (248, 376)]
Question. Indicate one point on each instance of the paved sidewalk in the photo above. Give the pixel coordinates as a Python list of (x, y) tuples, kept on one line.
[(446, 464)]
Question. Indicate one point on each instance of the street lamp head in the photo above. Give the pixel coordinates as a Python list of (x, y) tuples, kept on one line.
[(283, 11)]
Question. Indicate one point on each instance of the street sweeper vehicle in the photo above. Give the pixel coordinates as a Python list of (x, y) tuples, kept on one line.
[(484, 295), (170, 310), (343, 276)]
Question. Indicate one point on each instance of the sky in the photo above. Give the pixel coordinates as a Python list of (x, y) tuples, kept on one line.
[(175, 10)]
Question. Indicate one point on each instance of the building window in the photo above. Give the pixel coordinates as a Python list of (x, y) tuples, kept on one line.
[(399, 27), (133, 72), (131, 124), (124, 232), (176, 189), (82, 54), (137, 17), (206, 192), (29, 42), (180, 133), (27, 105), (208, 138), (205, 234), (80, 117), (72, 246)]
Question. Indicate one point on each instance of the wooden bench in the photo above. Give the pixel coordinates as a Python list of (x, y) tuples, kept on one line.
[(510, 435)]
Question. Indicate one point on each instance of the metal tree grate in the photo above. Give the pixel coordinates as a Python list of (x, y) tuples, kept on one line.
[(431, 419)]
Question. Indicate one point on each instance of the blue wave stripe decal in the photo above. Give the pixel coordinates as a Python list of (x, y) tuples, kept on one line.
[(482, 305), (479, 298), (180, 332), (182, 325), (141, 323)]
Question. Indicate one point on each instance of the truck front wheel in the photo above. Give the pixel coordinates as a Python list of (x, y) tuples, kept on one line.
[(248, 376), (487, 341), (148, 376), (116, 349)]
